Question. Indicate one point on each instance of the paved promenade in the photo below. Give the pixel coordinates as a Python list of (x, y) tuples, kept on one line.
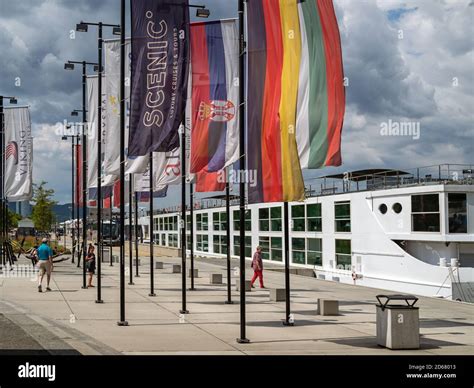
[(67, 320)]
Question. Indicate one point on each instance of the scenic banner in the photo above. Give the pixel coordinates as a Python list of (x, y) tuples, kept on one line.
[(18, 154), (215, 95), (160, 56)]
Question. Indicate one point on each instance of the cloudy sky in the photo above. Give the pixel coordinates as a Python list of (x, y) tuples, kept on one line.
[(405, 62)]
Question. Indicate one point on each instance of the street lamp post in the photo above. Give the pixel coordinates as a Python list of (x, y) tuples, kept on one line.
[(70, 66), (74, 138), (83, 27)]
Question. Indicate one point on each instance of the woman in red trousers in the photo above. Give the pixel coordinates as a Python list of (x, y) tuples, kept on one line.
[(257, 265)]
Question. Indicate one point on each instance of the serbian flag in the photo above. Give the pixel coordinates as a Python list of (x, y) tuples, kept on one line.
[(215, 95), (296, 97), (210, 181)]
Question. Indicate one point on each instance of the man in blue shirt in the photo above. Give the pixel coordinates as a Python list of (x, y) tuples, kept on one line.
[(45, 264)]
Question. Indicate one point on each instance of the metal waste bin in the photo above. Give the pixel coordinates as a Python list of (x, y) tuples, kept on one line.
[(398, 325), (105, 256)]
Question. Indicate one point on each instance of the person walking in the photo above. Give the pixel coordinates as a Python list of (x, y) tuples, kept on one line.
[(45, 264), (257, 265), (90, 264)]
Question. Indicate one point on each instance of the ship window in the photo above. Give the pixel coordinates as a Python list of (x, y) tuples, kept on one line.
[(248, 246), (219, 221), (275, 219), (425, 213), (343, 254), (342, 212), (270, 219), (188, 242), (276, 248), (163, 239), (188, 222), (298, 218), (264, 243), (219, 244), (248, 220), (298, 250), (173, 240), (264, 219), (315, 251), (383, 208), (397, 208), (202, 221), (314, 217), (307, 251), (202, 242), (457, 213)]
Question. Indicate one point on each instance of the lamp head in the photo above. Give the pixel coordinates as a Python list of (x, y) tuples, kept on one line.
[(203, 13), (82, 27), (69, 66)]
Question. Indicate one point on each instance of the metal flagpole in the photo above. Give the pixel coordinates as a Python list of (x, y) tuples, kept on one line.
[(191, 235), (288, 321), (152, 270), (136, 235), (84, 176), (130, 228), (73, 234), (78, 235), (183, 222), (227, 238), (122, 321), (99, 170), (242, 338)]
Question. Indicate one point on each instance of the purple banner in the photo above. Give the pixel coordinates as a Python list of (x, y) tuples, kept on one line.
[(160, 61)]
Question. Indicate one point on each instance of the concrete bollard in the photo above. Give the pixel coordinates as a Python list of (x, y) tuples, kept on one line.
[(176, 268), (115, 259), (215, 278), (248, 286), (158, 265), (328, 307), (398, 327), (190, 273), (277, 295)]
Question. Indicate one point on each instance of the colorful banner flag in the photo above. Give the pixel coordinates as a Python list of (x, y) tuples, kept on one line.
[(111, 137), (116, 194), (207, 182), (18, 143), (284, 73), (92, 86), (160, 57), (321, 96), (215, 95)]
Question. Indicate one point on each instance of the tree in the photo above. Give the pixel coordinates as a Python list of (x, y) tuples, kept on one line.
[(43, 215), (13, 219)]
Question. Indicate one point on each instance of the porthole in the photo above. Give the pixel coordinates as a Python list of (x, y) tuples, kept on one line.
[(397, 208), (383, 208)]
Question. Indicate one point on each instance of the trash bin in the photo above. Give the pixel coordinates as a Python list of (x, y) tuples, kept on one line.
[(398, 325), (105, 256)]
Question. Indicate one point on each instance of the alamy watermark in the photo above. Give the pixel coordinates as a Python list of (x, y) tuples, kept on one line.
[(238, 176), (401, 128)]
